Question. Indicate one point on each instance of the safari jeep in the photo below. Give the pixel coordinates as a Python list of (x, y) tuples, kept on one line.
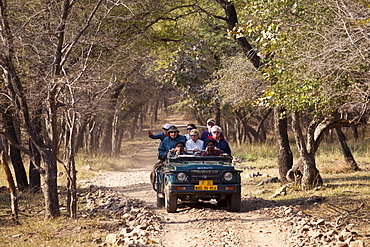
[(194, 178)]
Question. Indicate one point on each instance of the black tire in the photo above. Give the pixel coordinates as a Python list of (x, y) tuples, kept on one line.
[(234, 202), (160, 202), (171, 202)]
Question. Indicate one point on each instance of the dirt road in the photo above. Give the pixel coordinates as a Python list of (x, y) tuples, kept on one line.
[(197, 224)]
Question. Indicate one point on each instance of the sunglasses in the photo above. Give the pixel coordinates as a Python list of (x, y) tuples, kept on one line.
[(216, 132), (169, 132), (193, 135), (189, 128), (210, 123)]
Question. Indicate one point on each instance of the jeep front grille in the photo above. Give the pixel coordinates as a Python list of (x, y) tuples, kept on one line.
[(196, 175)]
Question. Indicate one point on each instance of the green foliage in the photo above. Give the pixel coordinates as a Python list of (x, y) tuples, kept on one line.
[(313, 52), (195, 42)]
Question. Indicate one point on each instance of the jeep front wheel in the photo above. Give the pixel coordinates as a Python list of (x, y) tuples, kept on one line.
[(170, 202), (234, 202)]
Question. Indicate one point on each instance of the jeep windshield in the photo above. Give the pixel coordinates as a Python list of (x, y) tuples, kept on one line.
[(207, 160)]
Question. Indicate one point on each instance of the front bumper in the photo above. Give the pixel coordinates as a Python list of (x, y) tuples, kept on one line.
[(185, 189)]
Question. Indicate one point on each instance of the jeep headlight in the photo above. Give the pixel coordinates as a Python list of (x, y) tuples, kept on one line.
[(181, 176), (228, 176)]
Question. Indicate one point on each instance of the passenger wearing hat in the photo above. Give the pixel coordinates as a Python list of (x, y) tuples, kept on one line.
[(207, 133), (162, 135), (169, 143)]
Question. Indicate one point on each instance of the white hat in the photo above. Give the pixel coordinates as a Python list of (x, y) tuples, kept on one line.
[(166, 126)]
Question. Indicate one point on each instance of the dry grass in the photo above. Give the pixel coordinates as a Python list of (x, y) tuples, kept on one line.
[(33, 230), (346, 192)]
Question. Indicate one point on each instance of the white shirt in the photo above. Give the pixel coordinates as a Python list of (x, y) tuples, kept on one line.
[(190, 144)]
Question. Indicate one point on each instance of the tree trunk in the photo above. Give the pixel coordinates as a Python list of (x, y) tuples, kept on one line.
[(238, 131), (304, 170), (34, 172), (155, 112), (15, 153), (355, 133), (115, 134), (248, 130), (348, 157), (197, 116), (217, 113), (71, 180), (107, 139), (71, 200), (119, 142), (232, 19), (81, 134), (261, 130), (92, 137), (50, 188), (9, 178), (285, 156), (73, 188), (134, 126)]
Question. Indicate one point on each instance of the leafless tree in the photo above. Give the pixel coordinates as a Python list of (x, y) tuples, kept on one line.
[(47, 144)]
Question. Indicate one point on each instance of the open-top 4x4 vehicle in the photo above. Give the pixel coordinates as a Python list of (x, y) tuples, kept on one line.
[(194, 178)]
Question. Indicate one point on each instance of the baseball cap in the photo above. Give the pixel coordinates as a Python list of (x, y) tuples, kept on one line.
[(210, 120), (166, 126)]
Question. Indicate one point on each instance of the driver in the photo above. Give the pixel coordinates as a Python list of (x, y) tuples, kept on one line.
[(211, 149)]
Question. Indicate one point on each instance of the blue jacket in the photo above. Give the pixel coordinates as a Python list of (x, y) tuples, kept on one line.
[(158, 136), (168, 143), (222, 144)]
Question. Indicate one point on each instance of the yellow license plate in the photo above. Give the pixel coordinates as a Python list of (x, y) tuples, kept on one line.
[(205, 185)]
